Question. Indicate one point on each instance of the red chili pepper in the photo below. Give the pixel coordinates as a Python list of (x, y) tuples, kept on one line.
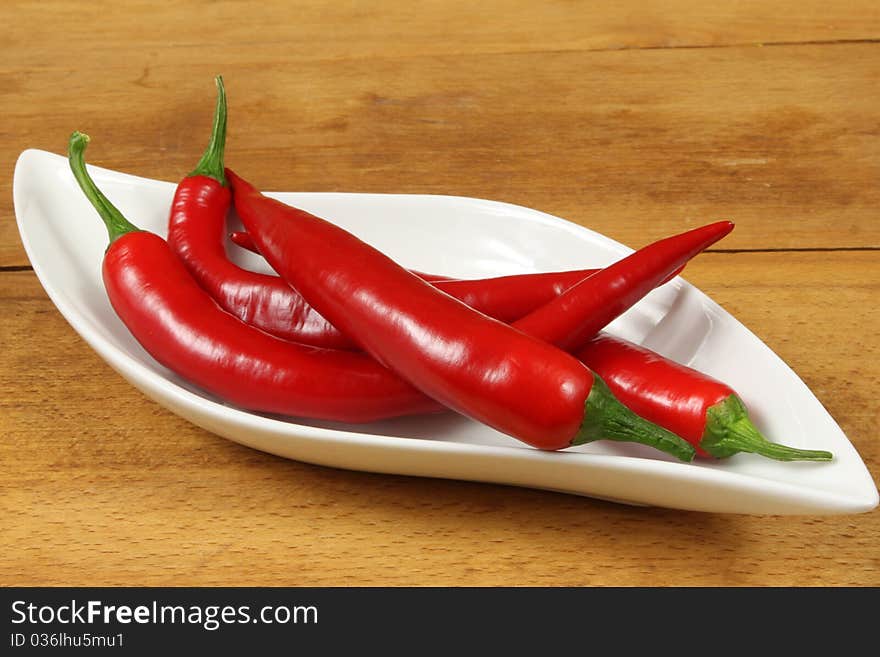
[(476, 365), (184, 329), (195, 230), (702, 410), (270, 304), (575, 308), (243, 239), (574, 317), (195, 234), (506, 298), (685, 401)]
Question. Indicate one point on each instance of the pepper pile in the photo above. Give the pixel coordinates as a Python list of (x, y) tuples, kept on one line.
[(345, 333)]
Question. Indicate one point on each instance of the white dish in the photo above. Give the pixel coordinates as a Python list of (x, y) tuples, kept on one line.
[(65, 242)]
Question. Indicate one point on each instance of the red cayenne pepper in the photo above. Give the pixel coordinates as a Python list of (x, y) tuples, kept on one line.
[(195, 234), (243, 239), (270, 304), (588, 307), (184, 329), (572, 315), (471, 363), (506, 298), (702, 410), (706, 412)]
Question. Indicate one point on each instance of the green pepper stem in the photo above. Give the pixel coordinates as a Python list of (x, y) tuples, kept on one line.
[(211, 164), (116, 224), (730, 431), (606, 418)]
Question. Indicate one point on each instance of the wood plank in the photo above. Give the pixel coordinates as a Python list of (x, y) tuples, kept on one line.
[(103, 487), (636, 144), (318, 29)]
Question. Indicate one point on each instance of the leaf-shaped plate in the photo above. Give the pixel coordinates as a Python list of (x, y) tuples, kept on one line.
[(466, 237)]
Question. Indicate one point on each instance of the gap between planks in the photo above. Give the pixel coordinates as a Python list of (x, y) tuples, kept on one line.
[(808, 249), (683, 46), (537, 51)]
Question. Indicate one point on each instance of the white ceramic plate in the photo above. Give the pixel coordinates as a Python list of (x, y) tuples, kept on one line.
[(65, 241)]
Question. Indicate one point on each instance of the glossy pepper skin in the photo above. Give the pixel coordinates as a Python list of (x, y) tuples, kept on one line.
[(471, 363), (183, 328), (186, 331), (570, 319), (196, 229), (196, 234), (506, 298), (242, 239), (702, 410)]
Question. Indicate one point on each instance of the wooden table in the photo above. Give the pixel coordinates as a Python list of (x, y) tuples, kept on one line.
[(637, 119)]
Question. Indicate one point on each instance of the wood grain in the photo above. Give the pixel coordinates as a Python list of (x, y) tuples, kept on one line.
[(316, 29), (631, 142), (109, 488)]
